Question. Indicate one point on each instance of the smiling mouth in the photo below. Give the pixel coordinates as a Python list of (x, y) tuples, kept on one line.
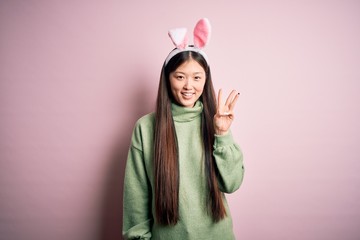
[(187, 95)]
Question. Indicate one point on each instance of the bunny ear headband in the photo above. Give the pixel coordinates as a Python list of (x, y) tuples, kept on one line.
[(178, 36)]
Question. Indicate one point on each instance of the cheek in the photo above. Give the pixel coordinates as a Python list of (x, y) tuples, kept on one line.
[(174, 87), (200, 87)]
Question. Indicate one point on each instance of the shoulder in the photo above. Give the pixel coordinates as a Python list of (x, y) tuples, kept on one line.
[(146, 121), (143, 131)]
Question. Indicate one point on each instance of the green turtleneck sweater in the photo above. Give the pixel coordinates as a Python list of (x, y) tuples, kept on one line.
[(194, 223)]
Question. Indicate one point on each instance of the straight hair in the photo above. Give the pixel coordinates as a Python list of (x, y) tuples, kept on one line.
[(166, 157)]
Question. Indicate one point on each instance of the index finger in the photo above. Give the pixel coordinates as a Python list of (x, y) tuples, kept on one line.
[(219, 99)]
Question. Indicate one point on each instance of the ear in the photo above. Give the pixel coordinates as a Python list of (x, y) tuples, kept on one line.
[(202, 33), (178, 37)]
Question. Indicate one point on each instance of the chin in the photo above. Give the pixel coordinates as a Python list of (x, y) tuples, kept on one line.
[(187, 103)]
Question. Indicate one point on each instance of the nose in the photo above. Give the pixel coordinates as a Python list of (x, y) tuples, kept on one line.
[(187, 84)]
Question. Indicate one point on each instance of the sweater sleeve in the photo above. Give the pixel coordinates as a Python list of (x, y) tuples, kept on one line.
[(137, 217), (229, 161)]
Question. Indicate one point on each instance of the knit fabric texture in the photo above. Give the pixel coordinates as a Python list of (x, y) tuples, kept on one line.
[(195, 222)]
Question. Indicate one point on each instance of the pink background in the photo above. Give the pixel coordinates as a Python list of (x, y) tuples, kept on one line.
[(75, 76)]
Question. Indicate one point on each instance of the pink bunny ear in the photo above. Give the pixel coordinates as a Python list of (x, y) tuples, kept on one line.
[(202, 33), (178, 37)]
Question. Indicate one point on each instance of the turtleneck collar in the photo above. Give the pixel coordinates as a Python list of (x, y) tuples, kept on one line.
[(184, 114)]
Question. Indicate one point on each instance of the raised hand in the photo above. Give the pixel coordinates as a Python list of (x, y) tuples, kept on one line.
[(224, 112)]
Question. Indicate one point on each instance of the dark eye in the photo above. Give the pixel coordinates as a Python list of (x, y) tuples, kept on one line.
[(180, 77)]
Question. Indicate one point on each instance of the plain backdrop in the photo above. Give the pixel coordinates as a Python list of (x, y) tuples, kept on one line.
[(76, 75)]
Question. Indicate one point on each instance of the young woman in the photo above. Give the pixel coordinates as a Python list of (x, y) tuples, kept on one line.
[(182, 158)]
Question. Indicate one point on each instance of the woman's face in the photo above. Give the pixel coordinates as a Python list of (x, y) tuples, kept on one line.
[(187, 83)]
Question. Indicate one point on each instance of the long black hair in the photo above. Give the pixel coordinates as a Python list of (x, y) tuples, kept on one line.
[(166, 164)]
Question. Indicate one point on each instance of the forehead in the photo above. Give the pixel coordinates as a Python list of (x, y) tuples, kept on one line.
[(190, 66)]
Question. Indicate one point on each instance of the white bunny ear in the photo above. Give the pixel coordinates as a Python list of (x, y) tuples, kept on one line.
[(202, 33), (178, 37)]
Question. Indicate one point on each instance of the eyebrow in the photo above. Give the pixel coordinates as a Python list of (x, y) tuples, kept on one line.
[(185, 73)]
